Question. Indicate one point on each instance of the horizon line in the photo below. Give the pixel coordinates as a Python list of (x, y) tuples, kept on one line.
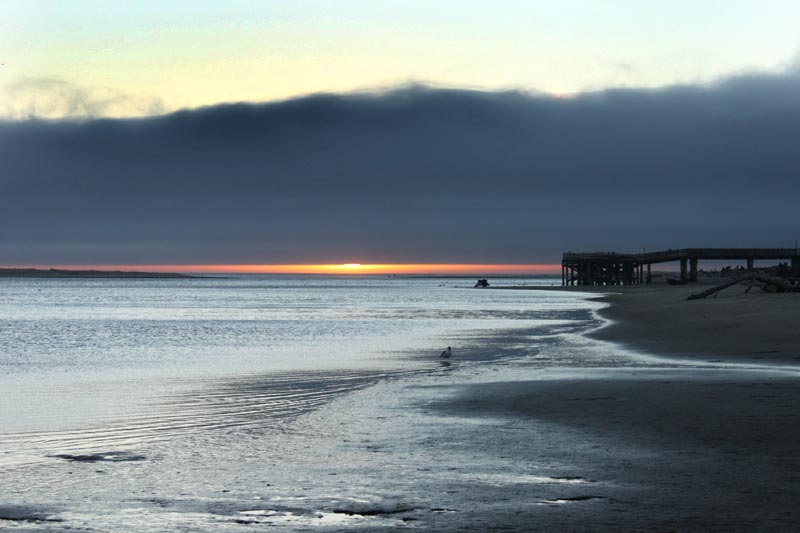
[(332, 269)]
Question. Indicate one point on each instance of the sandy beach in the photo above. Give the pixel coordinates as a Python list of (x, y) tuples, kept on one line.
[(658, 319)]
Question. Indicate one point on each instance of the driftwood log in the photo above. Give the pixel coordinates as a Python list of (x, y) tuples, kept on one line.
[(771, 284)]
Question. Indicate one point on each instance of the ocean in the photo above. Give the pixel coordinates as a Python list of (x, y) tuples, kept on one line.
[(151, 404)]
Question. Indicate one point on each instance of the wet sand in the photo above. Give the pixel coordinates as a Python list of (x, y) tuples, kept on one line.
[(660, 450), (710, 446)]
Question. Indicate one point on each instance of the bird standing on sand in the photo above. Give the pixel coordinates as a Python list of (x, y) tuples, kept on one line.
[(446, 353)]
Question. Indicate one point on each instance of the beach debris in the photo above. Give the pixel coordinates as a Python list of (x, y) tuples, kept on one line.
[(446, 353), (573, 499), (20, 513), (768, 284), (372, 511), (482, 283), (114, 457)]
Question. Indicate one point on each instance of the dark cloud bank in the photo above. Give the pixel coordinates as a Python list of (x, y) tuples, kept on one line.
[(410, 175)]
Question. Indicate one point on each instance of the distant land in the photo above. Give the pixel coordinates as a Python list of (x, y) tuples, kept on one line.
[(59, 273)]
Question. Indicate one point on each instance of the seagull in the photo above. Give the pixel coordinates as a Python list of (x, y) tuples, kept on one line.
[(446, 353)]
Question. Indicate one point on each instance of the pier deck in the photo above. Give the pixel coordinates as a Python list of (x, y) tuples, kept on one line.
[(611, 268)]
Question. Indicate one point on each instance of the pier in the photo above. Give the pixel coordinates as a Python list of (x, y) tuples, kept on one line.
[(611, 268)]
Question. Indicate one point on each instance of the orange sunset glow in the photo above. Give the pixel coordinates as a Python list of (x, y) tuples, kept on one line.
[(345, 268)]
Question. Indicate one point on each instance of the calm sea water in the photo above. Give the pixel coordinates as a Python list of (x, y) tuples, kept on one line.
[(197, 327), (89, 354), (152, 405)]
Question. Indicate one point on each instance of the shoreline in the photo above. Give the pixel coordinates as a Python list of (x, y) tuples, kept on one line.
[(657, 319), (757, 326)]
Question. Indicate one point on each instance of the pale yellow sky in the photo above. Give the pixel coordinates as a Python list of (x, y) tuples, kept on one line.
[(121, 58)]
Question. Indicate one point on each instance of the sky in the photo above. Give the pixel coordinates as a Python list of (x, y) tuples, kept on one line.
[(125, 58), (241, 133)]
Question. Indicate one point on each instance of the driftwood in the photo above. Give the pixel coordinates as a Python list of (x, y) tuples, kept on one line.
[(770, 284)]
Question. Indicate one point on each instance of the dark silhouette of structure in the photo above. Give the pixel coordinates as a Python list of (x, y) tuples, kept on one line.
[(610, 268)]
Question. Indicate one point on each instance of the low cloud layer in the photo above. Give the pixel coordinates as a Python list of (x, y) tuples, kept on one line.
[(51, 98), (410, 175)]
